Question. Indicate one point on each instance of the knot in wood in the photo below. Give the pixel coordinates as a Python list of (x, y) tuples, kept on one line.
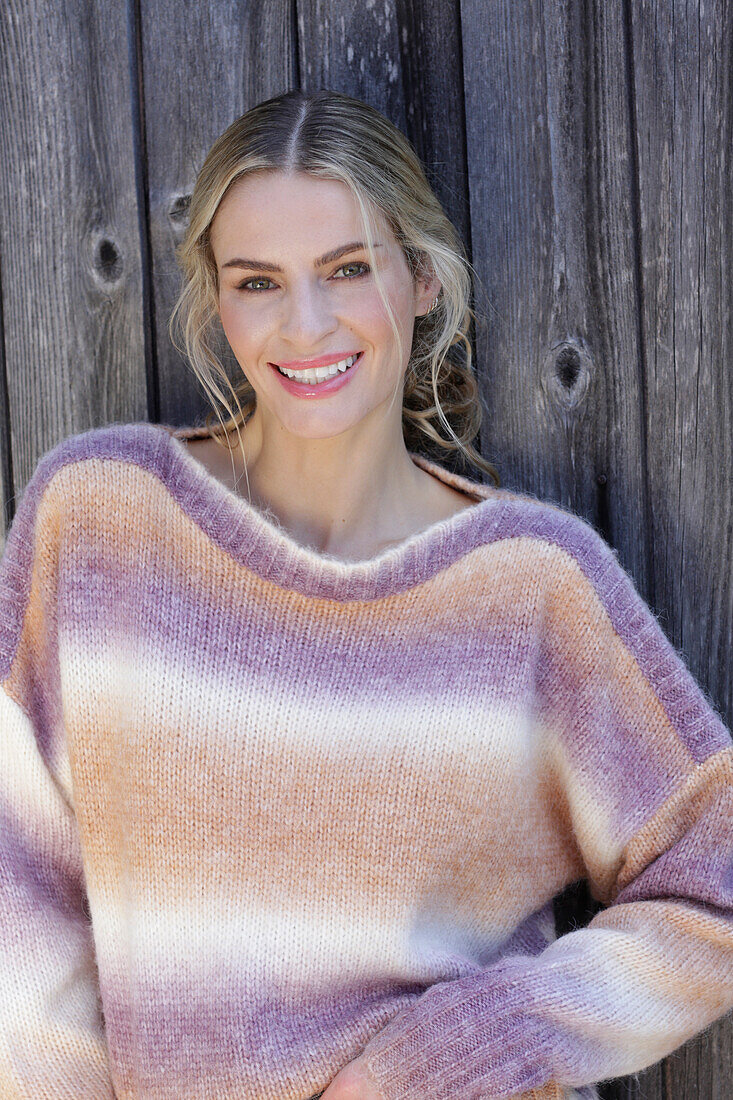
[(178, 212), (108, 261), (567, 372)]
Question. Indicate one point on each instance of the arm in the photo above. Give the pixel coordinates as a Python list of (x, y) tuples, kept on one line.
[(644, 768), (52, 1044)]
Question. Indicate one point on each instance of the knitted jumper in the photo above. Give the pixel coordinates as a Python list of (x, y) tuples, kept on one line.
[(263, 809)]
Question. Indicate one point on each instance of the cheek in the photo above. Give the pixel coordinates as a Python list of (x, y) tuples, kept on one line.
[(371, 312), (231, 318), (245, 329)]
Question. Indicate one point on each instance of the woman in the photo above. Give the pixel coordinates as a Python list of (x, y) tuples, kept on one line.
[(303, 733)]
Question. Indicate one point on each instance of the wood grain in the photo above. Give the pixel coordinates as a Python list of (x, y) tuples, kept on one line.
[(70, 246)]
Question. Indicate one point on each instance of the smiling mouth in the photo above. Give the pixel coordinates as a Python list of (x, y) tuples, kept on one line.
[(321, 374)]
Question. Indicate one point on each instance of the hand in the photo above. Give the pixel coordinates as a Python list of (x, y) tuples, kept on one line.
[(353, 1082)]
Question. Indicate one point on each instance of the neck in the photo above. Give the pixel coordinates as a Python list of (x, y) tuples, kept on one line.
[(349, 495)]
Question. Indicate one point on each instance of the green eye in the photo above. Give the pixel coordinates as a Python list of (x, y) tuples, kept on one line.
[(355, 263), (257, 279)]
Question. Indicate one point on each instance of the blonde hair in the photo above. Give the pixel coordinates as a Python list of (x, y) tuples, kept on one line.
[(330, 135)]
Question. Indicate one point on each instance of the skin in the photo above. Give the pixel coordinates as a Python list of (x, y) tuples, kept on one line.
[(334, 471), (353, 1082)]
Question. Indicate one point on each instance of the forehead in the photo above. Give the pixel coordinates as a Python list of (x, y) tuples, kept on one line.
[(276, 210)]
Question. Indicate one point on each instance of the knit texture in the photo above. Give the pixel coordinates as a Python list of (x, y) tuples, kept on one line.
[(263, 811)]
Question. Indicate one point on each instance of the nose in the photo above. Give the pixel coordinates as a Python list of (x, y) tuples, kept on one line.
[(307, 318)]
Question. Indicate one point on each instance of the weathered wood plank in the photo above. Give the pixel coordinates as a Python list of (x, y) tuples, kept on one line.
[(549, 156), (394, 56), (71, 299), (681, 66), (683, 121)]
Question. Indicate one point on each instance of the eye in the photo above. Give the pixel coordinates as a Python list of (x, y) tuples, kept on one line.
[(355, 263), (257, 279), (246, 285)]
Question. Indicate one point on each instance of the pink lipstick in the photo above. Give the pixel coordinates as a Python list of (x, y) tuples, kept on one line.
[(318, 389)]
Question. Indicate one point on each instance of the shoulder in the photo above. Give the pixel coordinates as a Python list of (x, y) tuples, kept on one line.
[(591, 604), (548, 531), (577, 575), (63, 495), (63, 480), (551, 533), (138, 442)]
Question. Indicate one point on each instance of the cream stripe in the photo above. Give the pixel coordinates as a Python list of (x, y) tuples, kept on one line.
[(151, 690), (197, 940), (27, 789)]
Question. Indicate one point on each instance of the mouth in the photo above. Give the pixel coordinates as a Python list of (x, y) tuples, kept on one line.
[(320, 375)]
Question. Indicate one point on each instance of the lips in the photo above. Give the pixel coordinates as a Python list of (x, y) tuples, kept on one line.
[(313, 390), (314, 364)]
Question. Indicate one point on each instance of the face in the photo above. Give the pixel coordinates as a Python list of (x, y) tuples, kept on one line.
[(294, 296)]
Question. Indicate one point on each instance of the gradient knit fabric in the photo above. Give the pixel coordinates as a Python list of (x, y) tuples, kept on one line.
[(263, 810)]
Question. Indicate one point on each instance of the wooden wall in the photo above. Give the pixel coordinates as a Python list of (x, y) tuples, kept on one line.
[(583, 149)]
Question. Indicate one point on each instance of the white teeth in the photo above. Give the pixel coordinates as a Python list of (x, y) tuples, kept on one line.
[(320, 373)]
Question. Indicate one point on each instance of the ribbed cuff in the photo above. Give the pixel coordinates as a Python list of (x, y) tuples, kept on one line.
[(466, 1040)]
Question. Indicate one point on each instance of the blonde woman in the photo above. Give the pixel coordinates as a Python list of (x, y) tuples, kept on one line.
[(302, 733)]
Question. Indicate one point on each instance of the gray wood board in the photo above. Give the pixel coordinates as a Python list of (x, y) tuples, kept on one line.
[(70, 230)]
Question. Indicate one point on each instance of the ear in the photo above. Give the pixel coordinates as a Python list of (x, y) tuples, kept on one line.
[(428, 286)]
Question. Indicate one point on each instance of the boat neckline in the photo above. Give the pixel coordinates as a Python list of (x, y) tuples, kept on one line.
[(256, 540)]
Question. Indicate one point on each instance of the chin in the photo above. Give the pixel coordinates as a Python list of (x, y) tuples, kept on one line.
[(318, 427)]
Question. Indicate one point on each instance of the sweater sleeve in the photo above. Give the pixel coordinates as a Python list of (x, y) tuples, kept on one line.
[(52, 1044), (642, 767)]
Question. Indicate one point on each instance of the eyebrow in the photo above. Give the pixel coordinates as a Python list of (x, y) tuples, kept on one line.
[(327, 258)]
